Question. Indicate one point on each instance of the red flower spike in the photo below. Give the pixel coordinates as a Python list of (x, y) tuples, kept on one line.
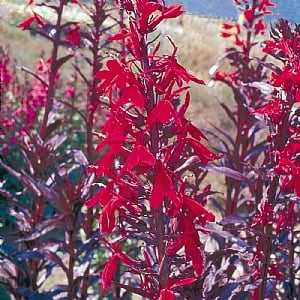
[(109, 272)]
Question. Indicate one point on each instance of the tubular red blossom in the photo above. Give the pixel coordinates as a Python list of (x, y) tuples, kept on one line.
[(173, 11), (114, 75), (108, 272), (226, 34), (260, 27), (197, 212), (273, 109), (73, 36), (265, 214), (249, 15), (166, 294), (35, 18)]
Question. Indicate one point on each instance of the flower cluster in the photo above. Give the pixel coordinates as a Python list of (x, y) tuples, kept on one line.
[(144, 142)]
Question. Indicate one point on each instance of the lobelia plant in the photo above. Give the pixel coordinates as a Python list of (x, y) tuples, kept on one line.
[(152, 207), (43, 170), (278, 213), (260, 175)]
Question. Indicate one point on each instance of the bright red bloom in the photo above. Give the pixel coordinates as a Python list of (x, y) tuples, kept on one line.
[(249, 15), (35, 18), (163, 187), (260, 27), (139, 157), (264, 216), (189, 239), (115, 75), (109, 272), (166, 294), (73, 36), (273, 109), (163, 112)]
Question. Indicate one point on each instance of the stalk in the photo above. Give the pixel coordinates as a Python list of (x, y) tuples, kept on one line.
[(51, 86)]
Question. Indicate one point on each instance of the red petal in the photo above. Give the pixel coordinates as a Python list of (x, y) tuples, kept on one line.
[(196, 210), (139, 157), (39, 20), (183, 282), (204, 154), (73, 36), (107, 220), (249, 14), (173, 11), (192, 250), (226, 34), (162, 112), (162, 186), (26, 24), (109, 272), (166, 295), (173, 247), (132, 95)]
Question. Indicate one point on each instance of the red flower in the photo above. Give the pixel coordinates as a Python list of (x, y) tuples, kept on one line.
[(163, 112), (173, 11), (35, 18), (109, 272), (189, 239), (197, 212), (139, 157), (163, 187), (114, 75), (226, 34), (204, 154), (264, 215), (249, 15), (273, 109), (73, 36), (260, 27)]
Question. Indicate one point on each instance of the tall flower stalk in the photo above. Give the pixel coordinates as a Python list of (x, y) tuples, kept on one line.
[(149, 149)]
